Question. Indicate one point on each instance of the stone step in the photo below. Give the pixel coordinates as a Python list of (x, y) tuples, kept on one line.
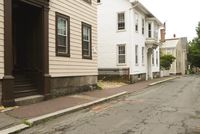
[(29, 100), (24, 86), (27, 92)]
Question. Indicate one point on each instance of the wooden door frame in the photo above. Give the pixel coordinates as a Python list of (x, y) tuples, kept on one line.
[(8, 79)]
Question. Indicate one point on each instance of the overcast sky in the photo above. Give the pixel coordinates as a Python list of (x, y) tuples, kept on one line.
[(181, 16)]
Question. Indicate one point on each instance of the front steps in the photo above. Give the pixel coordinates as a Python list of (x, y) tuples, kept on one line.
[(24, 86)]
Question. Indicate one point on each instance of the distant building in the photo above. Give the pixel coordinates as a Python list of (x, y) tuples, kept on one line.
[(178, 48), (128, 42)]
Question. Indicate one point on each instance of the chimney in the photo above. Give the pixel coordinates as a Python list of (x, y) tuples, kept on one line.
[(162, 33)]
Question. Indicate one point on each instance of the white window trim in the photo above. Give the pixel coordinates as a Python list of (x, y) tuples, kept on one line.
[(136, 55), (121, 30), (143, 56), (143, 26), (117, 55), (136, 22)]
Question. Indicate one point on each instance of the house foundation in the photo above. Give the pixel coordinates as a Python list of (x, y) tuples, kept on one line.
[(61, 86), (137, 77)]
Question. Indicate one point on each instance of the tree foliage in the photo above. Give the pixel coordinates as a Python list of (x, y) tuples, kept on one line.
[(166, 61), (194, 49)]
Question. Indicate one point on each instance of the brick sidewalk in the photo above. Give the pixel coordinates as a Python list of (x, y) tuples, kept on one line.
[(17, 115)]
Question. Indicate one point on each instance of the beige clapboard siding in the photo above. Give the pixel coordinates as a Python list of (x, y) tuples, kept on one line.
[(1, 39), (74, 7), (78, 11)]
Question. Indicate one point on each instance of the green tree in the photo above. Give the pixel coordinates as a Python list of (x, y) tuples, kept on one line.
[(166, 61), (194, 49)]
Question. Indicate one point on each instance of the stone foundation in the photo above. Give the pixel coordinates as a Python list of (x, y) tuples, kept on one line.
[(61, 86), (156, 74), (137, 77), (114, 74)]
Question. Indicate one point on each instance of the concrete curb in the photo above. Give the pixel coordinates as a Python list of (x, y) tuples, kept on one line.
[(14, 129), (158, 82), (39, 119)]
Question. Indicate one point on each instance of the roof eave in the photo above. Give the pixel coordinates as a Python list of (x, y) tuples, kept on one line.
[(140, 7)]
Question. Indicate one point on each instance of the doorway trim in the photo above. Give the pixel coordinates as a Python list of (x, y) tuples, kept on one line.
[(8, 79)]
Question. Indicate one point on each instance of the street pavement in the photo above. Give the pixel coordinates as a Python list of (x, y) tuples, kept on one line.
[(172, 107)]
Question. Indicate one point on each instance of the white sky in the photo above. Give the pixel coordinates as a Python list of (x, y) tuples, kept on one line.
[(181, 16)]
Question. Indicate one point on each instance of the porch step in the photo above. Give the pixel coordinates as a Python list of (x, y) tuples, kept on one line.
[(29, 100), (24, 93), (24, 86), (22, 81)]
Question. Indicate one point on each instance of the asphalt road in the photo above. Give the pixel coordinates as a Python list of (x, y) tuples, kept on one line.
[(169, 108)]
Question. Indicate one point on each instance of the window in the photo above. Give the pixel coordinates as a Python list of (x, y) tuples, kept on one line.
[(142, 55), (153, 57), (136, 54), (143, 26), (149, 30), (88, 1), (98, 1), (136, 22), (121, 21), (121, 54), (157, 58), (86, 41), (62, 35)]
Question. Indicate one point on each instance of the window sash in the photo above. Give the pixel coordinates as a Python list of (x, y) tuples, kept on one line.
[(86, 41), (136, 54), (149, 30), (62, 35), (142, 55), (121, 21), (136, 22), (142, 26), (121, 54)]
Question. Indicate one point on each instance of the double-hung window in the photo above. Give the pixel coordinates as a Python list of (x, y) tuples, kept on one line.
[(143, 55), (136, 22), (86, 41), (149, 30), (121, 54), (121, 21), (143, 23), (62, 35), (136, 54)]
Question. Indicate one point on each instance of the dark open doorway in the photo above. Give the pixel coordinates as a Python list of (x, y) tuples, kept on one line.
[(34, 65), (27, 48)]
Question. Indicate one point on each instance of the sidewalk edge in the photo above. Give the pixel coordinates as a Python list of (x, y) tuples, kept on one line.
[(158, 82), (39, 119)]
